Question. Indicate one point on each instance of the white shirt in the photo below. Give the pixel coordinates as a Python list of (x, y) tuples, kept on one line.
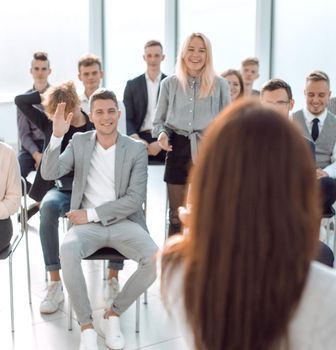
[(312, 327), (152, 93), (84, 102), (100, 184)]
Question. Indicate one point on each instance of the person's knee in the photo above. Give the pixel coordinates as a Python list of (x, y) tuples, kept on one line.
[(149, 264), (49, 209), (69, 252)]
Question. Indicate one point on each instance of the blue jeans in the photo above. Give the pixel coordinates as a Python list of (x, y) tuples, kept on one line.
[(54, 205)]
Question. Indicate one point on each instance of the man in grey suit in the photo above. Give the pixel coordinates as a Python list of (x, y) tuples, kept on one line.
[(319, 126), (109, 188)]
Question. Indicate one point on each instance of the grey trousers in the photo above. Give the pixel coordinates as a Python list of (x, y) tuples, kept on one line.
[(130, 239)]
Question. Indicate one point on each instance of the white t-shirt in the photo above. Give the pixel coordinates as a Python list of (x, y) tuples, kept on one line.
[(313, 326)]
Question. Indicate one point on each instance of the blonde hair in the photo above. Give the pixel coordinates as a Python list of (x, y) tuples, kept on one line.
[(65, 92), (208, 73)]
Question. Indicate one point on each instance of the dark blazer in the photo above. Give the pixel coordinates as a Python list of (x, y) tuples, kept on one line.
[(136, 101), (26, 103)]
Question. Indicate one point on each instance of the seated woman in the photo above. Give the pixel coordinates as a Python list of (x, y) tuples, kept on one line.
[(243, 278), (235, 81), (10, 192)]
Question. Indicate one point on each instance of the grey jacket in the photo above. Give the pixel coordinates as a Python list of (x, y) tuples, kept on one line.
[(130, 175)]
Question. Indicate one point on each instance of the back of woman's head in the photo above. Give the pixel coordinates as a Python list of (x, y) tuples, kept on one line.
[(64, 92), (254, 224)]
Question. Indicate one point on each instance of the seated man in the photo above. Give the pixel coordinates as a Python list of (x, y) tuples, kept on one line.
[(278, 94), (109, 188), (31, 137)]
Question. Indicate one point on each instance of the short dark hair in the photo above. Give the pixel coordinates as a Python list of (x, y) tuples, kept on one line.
[(41, 56), (89, 60), (151, 43), (318, 75), (103, 94), (276, 84)]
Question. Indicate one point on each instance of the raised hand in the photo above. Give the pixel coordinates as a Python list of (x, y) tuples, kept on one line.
[(60, 124)]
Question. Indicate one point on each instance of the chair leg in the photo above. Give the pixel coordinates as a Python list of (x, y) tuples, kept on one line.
[(137, 315), (145, 297), (69, 315), (11, 291), (28, 264)]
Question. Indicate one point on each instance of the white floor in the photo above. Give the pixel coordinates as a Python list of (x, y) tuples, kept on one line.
[(34, 331)]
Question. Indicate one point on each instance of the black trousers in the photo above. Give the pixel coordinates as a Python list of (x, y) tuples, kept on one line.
[(161, 156), (326, 255), (27, 163), (6, 233)]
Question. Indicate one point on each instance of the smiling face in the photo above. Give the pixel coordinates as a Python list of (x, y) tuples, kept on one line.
[(195, 56), (317, 95), (105, 116), (90, 76), (234, 84)]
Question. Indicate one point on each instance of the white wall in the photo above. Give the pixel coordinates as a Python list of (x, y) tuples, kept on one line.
[(304, 40)]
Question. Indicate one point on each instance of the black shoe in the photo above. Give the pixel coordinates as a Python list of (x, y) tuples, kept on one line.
[(32, 210)]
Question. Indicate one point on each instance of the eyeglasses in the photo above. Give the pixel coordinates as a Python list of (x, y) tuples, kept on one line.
[(278, 103)]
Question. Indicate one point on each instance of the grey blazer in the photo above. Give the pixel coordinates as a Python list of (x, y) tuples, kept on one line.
[(130, 175)]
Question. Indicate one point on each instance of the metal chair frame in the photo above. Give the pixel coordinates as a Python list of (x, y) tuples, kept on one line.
[(9, 252)]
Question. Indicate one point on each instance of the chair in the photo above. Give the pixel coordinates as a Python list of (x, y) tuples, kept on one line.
[(107, 253), (8, 252)]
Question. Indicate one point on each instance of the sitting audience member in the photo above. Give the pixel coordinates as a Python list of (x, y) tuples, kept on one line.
[(276, 93), (110, 178), (140, 99), (10, 192), (236, 84), (251, 241), (55, 199), (250, 73), (332, 105), (90, 73), (30, 136), (319, 126)]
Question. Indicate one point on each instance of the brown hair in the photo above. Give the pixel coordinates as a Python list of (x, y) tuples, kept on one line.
[(103, 94), (151, 43), (41, 56), (89, 60), (276, 84), (249, 61), (239, 77), (318, 75), (253, 230), (65, 92)]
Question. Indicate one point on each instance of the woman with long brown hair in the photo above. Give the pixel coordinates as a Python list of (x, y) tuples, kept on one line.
[(243, 278)]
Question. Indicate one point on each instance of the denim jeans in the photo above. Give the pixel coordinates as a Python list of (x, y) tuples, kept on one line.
[(54, 205)]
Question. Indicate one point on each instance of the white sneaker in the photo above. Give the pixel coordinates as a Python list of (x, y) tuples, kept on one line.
[(88, 340), (110, 327), (111, 291), (53, 299)]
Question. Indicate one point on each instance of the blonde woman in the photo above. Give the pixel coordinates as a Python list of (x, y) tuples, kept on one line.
[(10, 192), (188, 102)]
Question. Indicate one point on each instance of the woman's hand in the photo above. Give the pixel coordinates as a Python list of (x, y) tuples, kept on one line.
[(163, 140)]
